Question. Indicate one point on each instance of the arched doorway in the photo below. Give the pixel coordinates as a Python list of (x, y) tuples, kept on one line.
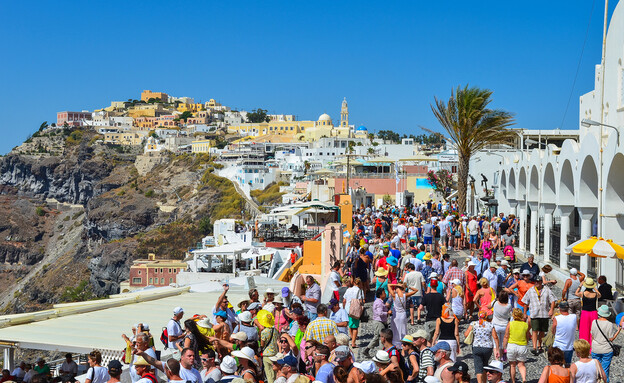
[(614, 201)]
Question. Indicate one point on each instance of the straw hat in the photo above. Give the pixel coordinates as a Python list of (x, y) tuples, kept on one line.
[(265, 318), (427, 257), (589, 283), (140, 361), (381, 272)]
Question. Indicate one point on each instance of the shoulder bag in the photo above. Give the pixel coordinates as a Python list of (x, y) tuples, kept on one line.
[(615, 347)]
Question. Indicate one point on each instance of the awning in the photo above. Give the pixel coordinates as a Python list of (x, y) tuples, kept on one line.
[(418, 158)]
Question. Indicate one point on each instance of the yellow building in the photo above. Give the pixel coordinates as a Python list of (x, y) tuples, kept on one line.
[(147, 94), (125, 138), (200, 146), (211, 104), (190, 107), (146, 110)]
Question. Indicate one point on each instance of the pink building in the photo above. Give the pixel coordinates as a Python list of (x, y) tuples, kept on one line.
[(72, 118)]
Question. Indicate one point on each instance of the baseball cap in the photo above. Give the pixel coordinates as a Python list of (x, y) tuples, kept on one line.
[(564, 305), (420, 334), (459, 367), (516, 271), (526, 272), (495, 365), (178, 310), (254, 306), (241, 335), (341, 353), (367, 366), (444, 346), (285, 292), (573, 271), (276, 357), (456, 281), (288, 360), (297, 311), (504, 263), (433, 275), (471, 263), (114, 366), (333, 302), (432, 379)]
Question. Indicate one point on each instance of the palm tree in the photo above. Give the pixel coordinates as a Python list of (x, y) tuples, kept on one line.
[(471, 126)]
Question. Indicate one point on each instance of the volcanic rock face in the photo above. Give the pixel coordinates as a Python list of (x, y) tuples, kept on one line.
[(73, 220)]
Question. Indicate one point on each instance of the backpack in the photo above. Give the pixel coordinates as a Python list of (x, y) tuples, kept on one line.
[(510, 252), (164, 336), (402, 364)]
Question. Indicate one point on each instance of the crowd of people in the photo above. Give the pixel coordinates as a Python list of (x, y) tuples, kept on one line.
[(400, 259)]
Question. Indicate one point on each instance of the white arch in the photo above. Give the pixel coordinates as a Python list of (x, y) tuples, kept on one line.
[(566, 184), (503, 184), (512, 184), (548, 189), (588, 183), (522, 184), (534, 185)]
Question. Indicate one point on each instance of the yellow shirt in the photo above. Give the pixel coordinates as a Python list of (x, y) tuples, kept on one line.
[(517, 332)]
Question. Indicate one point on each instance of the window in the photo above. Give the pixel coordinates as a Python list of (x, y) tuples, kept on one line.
[(169, 271), (170, 280), (139, 272), (151, 281), (162, 281), (136, 280), (161, 271)]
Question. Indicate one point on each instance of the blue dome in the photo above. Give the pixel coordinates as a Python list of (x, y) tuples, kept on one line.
[(361, 128)]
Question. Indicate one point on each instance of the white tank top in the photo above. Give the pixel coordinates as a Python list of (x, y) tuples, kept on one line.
[(566, 329), (586, 372), (438, 372)]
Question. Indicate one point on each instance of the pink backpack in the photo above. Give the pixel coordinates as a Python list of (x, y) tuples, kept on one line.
[(510, 252)]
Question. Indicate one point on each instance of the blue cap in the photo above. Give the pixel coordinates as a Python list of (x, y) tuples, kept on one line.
[(441, 346), (289, 360), (222, 314)]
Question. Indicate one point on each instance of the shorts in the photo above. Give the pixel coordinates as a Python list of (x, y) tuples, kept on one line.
[(354, 323), (517, 353), (428, 240), (473, 239), (575, 306), (481, 357), (444, 239), (539, 324), (414, 301), (567, 355)]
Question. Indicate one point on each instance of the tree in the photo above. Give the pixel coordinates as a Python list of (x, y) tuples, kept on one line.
[(43, 125), (471, 126), (442, 181), (258, 115), (185, 115), (389, 135), (371, 150)]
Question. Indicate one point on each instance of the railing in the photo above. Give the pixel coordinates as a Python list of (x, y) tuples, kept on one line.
[(592, 266), (574, 260), (287, 235), (555, 244)]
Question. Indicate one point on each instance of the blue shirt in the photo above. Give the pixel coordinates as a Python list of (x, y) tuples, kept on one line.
[(479, 265), (426, 271), (325, 374), (395, 253)]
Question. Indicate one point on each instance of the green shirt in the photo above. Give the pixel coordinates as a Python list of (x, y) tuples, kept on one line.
[(42, 370)]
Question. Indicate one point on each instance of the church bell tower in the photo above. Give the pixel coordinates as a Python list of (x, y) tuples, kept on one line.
[(344, 114)]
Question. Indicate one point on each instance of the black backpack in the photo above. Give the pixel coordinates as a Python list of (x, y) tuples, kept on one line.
[(402, 364)]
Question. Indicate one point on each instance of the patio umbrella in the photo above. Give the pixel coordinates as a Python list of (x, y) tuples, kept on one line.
[(596, 247)]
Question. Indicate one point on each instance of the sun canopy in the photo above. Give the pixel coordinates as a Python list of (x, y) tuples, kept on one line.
[(418, 158)]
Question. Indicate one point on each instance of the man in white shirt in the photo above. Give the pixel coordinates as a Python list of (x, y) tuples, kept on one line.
[(142, 345), (19, 371), (414, 280), (492, 277), (69, 368), (30, 372), (174, 328), (334, 280)]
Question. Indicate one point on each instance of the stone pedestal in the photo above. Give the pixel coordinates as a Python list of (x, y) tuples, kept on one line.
[(564, 212)]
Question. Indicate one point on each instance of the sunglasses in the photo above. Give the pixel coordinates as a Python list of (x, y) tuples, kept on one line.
[(317, 354), (309, 347), (283, 341)]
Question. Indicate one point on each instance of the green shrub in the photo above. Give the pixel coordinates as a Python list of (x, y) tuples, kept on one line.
[(40, 211), (149, 193)]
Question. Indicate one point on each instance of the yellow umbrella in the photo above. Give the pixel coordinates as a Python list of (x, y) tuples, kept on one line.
[(597, 247)]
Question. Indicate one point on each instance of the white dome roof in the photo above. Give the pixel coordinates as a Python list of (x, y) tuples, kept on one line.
[(324, 117)]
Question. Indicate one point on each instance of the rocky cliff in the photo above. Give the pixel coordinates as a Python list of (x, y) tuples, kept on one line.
[(73, 219)]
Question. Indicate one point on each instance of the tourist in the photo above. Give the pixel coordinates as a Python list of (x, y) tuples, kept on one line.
[(311, 298), (415, 283), (454, 272), (364, 371), (144, 371), (228, 368), (605, 290), (320, 327), (172, 371), (473, 233), (287, 345), (41, 367), (246, 326), (68, 370), (460, 372), (142, 345), (115, 368), (410, 358), (352, 296), (30, 372), (531, 266), (485, 342), (96, 373), (494, 372), (209, 366), (433, 301), (248, 364), (517, 336), (564, 327), (556, 372), (344, 359), (589, 295), (426, 362), (194, 340), (541, 304), (394, 354), (501, 312), (338, 315), (361, 268), (223, 305), (455, 295), (546, 279), (471, 289), (399, 310), (379, 319), (19, 372), (385, 364), (269, 297), (187, 360), (324, 369), (441, 354), (236, 342), (520, 288), (334, 280), (381, 280), (268, 344), (492, 276), (603, 334), (485, 297), (586, 369), (428, 234), (342, 376), (447, 330), (503, 275), (221, 327), (7, 377), (481, 263), (289, 299)]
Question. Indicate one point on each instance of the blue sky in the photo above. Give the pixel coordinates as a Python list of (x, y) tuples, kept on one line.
[(390, 59)]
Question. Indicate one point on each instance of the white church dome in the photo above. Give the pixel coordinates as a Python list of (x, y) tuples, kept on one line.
[(324, 117)]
